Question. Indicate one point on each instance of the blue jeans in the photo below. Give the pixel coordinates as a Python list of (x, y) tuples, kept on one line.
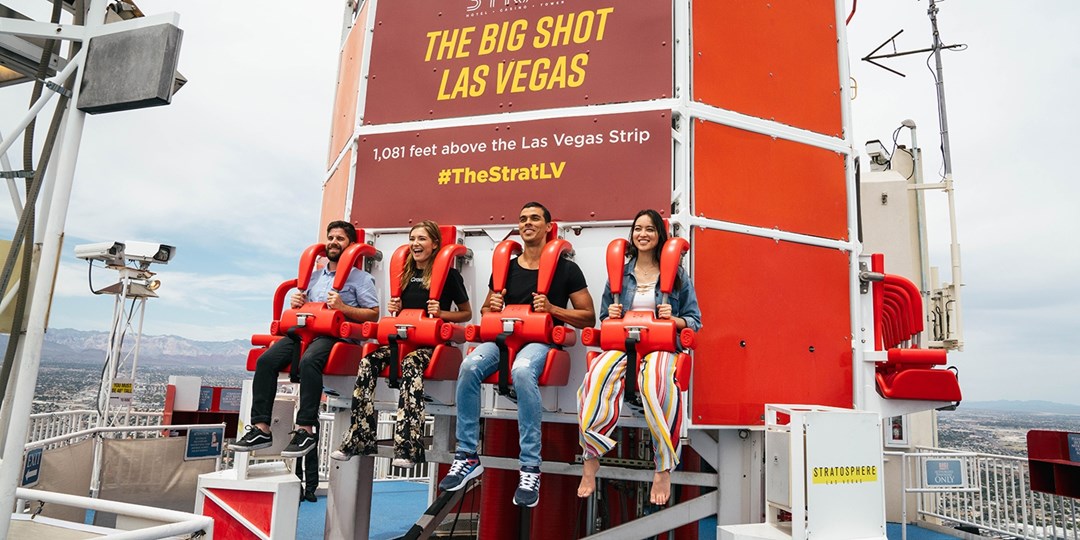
[(526, 370)]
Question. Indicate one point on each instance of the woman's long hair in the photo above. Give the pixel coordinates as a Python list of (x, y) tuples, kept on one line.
[(432, 230), (661, 233), (661, 237)]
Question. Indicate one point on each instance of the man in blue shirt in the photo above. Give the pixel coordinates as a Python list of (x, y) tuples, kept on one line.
[(358, 301)]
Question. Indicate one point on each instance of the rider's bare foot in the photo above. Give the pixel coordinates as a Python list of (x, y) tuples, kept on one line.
[(661, 488), (588, 477)]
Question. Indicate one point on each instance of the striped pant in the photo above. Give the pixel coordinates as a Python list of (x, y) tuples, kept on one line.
[(600, 400)]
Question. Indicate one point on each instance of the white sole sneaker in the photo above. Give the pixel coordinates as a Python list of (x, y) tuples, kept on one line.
[(338, 455)]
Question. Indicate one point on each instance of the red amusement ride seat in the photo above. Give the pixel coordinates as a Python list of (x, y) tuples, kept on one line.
[(908, 372), (517, 324), (413, 328), (639, 333), (314, 319)]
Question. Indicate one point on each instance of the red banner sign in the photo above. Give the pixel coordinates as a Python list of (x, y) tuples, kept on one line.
[(583, 169), (440, 59)]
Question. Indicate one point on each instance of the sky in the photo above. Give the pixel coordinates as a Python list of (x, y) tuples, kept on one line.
[(231, 172)]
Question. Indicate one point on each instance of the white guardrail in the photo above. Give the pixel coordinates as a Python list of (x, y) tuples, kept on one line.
[(173, 523), (996, 497), (57, 425), (52, 430)]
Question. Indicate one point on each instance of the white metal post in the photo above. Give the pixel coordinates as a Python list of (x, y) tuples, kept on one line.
[(28, 354)]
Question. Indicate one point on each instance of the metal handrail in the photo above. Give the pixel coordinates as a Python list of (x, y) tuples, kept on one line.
[(115, 429), (1000, 498), (182, 522)]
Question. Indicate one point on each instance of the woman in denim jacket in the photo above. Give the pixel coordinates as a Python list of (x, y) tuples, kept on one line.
[(601, 394)]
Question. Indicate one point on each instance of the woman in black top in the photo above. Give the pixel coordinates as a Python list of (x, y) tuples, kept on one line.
[(424, 241)]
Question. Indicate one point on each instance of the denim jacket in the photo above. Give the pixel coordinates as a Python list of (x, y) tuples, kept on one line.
[(683, 300)]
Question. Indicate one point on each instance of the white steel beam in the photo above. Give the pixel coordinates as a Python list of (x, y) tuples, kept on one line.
[(28, 354), (182, 522), (670, 518), (768, 127), (44, 30), (774, 234), (519, 116), (43, 100), (47, 30)]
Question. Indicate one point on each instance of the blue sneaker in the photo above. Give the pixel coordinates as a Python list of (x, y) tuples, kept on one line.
[(528, 490), (464, 468)]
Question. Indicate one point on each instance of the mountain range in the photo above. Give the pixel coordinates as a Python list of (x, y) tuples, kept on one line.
[(64, 345), (1028, 406)]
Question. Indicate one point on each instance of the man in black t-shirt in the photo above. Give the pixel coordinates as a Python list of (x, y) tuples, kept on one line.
[(567, 285)]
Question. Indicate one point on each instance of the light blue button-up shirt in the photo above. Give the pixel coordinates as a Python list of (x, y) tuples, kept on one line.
[(358, 291)]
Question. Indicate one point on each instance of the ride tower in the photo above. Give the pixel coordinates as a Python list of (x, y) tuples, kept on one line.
[(730, 119)]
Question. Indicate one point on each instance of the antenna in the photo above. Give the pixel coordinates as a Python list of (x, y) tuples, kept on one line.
[(949, 298)]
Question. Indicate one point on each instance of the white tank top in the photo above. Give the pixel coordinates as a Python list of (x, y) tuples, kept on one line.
[(644, 297)]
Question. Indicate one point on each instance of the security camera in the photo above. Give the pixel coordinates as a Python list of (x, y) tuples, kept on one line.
[(109, 252), (149, 252), (879, 157)]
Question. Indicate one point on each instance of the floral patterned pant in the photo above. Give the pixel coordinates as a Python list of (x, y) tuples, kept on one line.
[(360, 437)]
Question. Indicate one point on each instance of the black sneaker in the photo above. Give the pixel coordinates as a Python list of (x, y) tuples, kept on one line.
[(309, 496), (464, 468), (254, 439), (301, 443), (528, 490)]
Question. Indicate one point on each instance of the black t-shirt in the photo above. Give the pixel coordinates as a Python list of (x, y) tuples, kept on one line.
[(521, 283), (415, 296)]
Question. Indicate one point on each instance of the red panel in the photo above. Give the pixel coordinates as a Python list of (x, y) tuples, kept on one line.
[(335, 190), (583, 168), (344, 119), (1054, 461), (344, 359), (430, 58), (769, 59), (256, 506), (757, 180), (776, 327), (226, 527)]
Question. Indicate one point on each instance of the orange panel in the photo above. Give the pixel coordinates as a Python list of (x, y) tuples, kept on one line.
[(754, 179), (769, 59), (776, 327), (334, 192), (348, 87)]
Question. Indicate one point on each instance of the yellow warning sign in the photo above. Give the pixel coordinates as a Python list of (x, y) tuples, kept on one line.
[(856, 474), (123, 389)]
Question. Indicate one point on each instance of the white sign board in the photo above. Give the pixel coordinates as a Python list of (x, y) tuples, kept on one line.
[(844, 476)]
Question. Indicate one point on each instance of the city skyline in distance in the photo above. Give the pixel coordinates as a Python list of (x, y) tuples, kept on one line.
[(66, 345)]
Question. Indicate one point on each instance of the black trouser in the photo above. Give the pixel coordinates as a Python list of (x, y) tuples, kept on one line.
[(279, 355), (307, 470)]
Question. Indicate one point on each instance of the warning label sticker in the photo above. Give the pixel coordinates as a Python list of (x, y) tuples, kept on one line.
[(857, 474)]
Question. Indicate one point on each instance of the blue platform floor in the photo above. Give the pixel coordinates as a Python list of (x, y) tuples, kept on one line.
[(397, 504)]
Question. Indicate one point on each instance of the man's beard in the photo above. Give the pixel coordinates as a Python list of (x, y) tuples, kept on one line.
[(334, 256)]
